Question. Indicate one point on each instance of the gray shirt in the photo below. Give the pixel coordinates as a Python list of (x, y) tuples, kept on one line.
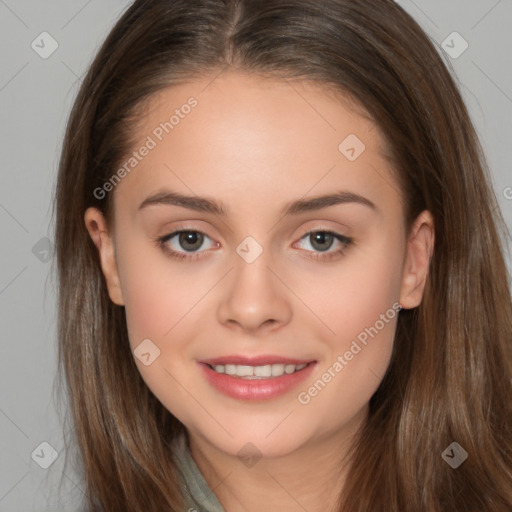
[(198, 495)]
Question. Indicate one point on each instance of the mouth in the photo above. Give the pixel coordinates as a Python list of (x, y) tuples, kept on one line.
[(253, 379)]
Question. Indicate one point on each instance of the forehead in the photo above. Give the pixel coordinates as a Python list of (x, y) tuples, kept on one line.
[(244, 133), (248, 102)]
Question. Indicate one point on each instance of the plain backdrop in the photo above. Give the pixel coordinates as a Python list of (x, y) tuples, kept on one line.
[(46, 47)]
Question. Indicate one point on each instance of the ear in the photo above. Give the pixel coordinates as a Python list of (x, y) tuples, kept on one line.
[(420, 247), (97, 227)]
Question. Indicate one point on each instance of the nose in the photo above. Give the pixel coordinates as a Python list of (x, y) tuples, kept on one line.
[(254, 297)]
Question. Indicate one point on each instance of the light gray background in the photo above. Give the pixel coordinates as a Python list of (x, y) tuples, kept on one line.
[(35, 98)]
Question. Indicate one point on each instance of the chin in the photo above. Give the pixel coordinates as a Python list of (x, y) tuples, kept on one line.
[(253, 445)]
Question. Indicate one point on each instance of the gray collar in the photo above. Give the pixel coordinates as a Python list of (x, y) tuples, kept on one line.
[(197, 494)]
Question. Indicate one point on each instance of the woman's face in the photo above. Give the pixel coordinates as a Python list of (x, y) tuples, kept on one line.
[(296, 253)]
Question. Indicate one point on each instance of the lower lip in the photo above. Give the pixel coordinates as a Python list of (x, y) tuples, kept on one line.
[(255, 389)]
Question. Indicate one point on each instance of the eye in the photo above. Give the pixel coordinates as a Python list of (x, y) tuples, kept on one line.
[(321, 241), (188, 240), (184, 244)]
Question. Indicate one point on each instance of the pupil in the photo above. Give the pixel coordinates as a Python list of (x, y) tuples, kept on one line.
[(322, 237), (189, 237)]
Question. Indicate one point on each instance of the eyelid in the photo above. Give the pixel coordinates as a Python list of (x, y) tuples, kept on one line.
[(323, 228)]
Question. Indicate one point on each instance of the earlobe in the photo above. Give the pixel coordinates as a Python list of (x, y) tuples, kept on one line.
[(97, 228), (420, 247)]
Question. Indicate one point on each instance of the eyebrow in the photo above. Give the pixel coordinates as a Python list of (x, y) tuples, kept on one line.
[(203, 204)]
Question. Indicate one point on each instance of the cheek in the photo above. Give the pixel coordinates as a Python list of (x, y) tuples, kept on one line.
[(356, 358), (159, 304), (158, 293), (149, 306), (351, 293), (358, 306)]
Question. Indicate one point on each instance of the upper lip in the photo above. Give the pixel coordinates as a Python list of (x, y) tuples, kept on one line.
[(254, 360)]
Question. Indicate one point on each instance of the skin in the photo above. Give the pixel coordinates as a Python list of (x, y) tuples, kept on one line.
[(255, 145)]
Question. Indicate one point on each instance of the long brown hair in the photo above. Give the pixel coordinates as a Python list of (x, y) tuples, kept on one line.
[(450, 377)]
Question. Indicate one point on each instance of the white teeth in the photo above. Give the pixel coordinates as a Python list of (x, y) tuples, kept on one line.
[(258, 372), (277, 370), (263, 371), (244, 371), (230, 369), (289, 368)]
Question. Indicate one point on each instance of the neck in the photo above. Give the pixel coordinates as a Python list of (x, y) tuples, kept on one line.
[(309, 478)]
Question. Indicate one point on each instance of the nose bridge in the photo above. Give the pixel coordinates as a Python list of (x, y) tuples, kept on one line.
[(253, 295)]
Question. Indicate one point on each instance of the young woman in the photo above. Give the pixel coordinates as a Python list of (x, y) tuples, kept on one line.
[(282, 282)]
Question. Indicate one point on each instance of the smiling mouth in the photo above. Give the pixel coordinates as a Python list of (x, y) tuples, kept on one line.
[(268, 371)]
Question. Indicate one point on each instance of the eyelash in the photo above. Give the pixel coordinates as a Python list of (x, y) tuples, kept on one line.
[(321, 256)]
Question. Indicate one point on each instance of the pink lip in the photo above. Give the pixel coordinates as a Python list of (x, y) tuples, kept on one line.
[(255, 389), (254, 361)]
